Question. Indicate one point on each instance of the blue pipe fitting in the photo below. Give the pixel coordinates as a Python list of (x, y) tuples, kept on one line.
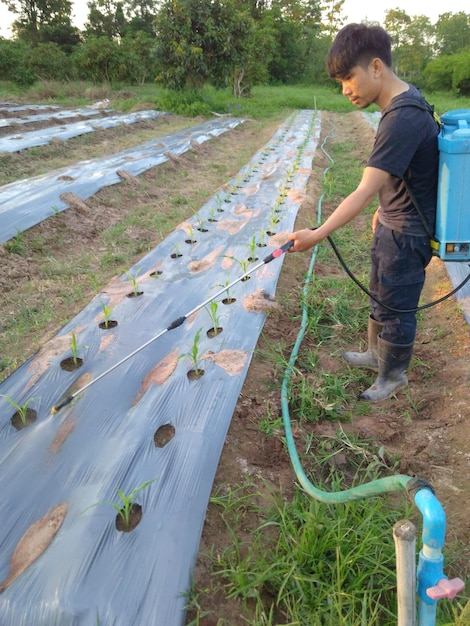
[(432, 585)]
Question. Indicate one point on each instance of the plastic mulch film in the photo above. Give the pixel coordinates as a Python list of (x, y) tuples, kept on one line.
[(17, 142), (146, 425), (62, 114), (25, 203)]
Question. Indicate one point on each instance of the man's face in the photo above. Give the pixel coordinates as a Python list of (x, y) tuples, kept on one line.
[(360, 86)]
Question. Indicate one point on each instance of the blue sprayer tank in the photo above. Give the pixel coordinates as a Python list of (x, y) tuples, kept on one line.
[(453, 196)]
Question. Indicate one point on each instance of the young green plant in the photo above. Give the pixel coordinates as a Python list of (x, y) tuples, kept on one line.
[(106, 312), (212, 310), (123, 507), (75, 348), (21, 409), (133, 281), (194, 355)]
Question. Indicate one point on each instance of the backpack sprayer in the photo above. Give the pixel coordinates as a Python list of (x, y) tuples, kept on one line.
[(452, 233)]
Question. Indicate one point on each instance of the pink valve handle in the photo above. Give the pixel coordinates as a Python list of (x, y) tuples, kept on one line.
[(445, 588)]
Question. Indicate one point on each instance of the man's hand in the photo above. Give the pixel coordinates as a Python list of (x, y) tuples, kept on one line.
[(304, 239)]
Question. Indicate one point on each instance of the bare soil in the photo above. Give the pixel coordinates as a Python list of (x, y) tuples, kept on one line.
[(428, 427)]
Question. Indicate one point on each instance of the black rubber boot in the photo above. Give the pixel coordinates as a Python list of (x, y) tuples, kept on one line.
[(393, 362), (369, 357)]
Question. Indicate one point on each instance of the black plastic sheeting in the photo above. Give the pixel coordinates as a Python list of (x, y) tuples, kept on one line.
[(103, 440), (457, 271), (25, 203), (17, 142)]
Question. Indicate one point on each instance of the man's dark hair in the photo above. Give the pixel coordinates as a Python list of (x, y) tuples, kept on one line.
[(358, 44)]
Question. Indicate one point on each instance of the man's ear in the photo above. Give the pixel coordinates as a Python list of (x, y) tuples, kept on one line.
[(376, 67)]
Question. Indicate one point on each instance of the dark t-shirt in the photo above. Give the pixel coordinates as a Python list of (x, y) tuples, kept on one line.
[(406, 147)]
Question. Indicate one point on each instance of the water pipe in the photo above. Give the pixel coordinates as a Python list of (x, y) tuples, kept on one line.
[(432, 584)]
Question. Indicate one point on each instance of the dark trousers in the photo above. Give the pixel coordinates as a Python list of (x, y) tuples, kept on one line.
[(396, 280)]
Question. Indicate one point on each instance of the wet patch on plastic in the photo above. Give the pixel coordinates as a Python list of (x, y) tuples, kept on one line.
[(62, 434), (34, 542), (260, 301), (159, 374), (52, 349), (231, 361), (206, 262)]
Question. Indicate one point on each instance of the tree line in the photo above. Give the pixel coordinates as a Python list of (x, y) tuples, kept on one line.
[(228, 43)]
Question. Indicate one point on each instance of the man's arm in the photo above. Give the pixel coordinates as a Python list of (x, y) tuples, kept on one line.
[(371, 181)]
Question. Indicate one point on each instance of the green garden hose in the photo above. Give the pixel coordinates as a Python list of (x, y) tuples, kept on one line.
[(377, 487)]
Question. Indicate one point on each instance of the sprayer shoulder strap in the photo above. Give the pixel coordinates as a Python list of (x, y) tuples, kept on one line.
[(434, 240), (424, 106)]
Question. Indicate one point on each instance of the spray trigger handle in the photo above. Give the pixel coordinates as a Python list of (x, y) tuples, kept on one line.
[(445, 588), (278, 252)]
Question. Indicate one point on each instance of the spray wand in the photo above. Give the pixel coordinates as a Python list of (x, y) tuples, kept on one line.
[(174, 324)]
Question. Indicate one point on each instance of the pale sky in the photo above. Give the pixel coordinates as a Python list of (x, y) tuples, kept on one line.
[(354, 10)]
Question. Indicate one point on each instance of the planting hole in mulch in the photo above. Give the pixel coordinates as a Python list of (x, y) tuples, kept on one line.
[(29, 418), (195, 374), (175, 255), (134, 294), (190, 241), (245, 278), (70, 364), (164, 435), (203, 230), (229, 300), (213, 332), (135, 515), (107, 325), (156, 274), (252, 259)]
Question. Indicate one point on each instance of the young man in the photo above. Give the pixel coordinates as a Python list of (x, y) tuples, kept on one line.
[(402, 170)]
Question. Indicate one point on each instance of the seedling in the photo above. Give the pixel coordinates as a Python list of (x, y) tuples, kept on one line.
[(243, 265), (228, 299), (124, 506), (252, 250), (20, 409), (219, 201), (212, 310), (194, 355), (132, 278), (176, 254), (190, 234), (107, 323), (75, 348), (212, 217), (201, 221)]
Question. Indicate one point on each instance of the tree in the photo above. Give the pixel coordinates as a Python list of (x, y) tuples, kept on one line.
[(140, 16), (413, 43), (452, 33), (198, 41), (332, 18), (42, 20), (14, 63), (105, 19)]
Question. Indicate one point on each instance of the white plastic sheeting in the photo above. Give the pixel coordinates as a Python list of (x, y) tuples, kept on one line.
[(92, 573), (16, 142), (25, 203), (40, 117)]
